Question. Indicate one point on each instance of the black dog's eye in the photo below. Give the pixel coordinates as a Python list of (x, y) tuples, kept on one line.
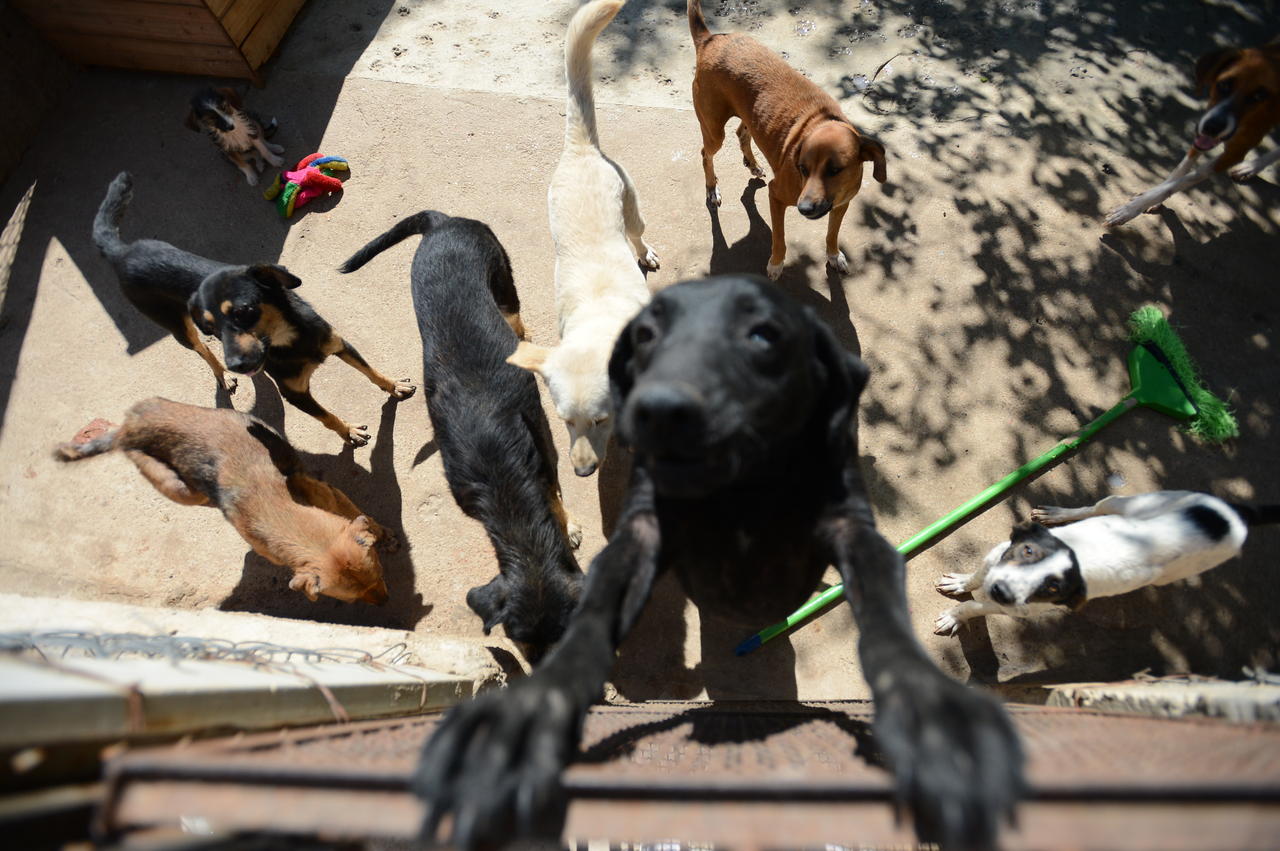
[(764, 333), (1028, 552), (1259, 96), (833, 170), (245, 317), (643, 334), (1051, 587), (804, 170)]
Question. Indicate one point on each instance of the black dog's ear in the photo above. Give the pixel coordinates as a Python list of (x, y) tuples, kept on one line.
[(489, 602), (1209, 66), (622, 373), (269, 275), (190, 121), (200, 315), (845, 375)]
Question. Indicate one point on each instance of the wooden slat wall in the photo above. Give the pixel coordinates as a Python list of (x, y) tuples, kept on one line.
[(131, 18), (149, 55), (262, 42), (228, 38), (242, 15)]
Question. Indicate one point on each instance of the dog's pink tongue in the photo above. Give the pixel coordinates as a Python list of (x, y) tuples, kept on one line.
[(1205, 143)]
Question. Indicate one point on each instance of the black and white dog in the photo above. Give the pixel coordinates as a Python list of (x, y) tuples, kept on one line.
[(1118, 545)]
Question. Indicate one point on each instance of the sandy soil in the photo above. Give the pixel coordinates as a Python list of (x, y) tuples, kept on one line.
[(985, 296)]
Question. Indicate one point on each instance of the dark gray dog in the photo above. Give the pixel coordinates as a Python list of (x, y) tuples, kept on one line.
[(741, 407)]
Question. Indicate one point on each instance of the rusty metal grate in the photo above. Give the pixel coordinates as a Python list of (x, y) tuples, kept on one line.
[(760, 776)]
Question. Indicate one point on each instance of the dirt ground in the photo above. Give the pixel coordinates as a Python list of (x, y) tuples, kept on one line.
[(984, 294)]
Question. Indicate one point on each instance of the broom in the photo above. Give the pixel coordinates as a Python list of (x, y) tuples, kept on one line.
[(1163, 377)]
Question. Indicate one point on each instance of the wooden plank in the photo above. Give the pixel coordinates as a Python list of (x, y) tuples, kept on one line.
[(132, 18), (241, 17), (218, 7), (266, 36), (141, 55)]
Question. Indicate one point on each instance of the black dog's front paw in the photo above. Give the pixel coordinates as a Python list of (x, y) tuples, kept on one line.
[(954, 753), (494, 765)]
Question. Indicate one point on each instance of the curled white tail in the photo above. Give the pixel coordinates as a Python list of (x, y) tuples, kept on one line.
[(580, 111)]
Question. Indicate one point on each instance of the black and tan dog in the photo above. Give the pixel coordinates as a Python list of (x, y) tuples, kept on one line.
[(489, 424), (742, 410), (261, 322), (223, 458), (235, 130)]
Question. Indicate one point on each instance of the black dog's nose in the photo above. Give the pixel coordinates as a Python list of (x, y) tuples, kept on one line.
[(811, 209), (1000, 593), (665, 415)]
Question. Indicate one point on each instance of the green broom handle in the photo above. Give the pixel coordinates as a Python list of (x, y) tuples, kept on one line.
[(953, 518)]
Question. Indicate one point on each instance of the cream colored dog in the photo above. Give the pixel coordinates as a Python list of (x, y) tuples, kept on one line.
[(595, 222)]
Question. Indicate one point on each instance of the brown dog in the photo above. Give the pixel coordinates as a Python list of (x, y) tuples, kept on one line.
[(1244, 106), (217, 456), (815, 152)]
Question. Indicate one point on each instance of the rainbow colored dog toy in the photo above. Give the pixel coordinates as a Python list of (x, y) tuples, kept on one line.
[(313, 177)]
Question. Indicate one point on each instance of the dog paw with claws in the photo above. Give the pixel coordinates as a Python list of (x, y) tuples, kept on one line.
[(1050, 515), (946, 624), (1243, 172), (956, 760), (404, 388), (575, 534), (357, 435), (774, 271), (713, 196), (228, 382), (756, 171), (838, 262), (494, 765), (649, 260), (953, 584)]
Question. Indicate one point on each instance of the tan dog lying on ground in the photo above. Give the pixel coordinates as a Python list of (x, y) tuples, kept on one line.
[(1244, 106), (215, 456), (596, 223), (814, 151)]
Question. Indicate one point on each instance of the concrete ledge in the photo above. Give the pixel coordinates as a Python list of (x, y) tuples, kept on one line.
[(1241, 702)]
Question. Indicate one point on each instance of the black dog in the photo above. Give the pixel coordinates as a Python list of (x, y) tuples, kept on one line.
[(261, 322), (488, 421), (237, 132), (741, 407)]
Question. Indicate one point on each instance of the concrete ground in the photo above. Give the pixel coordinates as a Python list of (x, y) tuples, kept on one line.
[(985, 296)]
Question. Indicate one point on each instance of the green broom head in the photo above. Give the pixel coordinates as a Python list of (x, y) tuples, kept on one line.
[(1165, 378)]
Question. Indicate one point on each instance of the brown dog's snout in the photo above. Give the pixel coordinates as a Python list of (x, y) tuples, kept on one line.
[(666, 416), (811, 209)]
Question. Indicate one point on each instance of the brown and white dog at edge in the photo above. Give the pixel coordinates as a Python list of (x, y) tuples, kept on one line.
[(1244, 106), (815, 152)]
